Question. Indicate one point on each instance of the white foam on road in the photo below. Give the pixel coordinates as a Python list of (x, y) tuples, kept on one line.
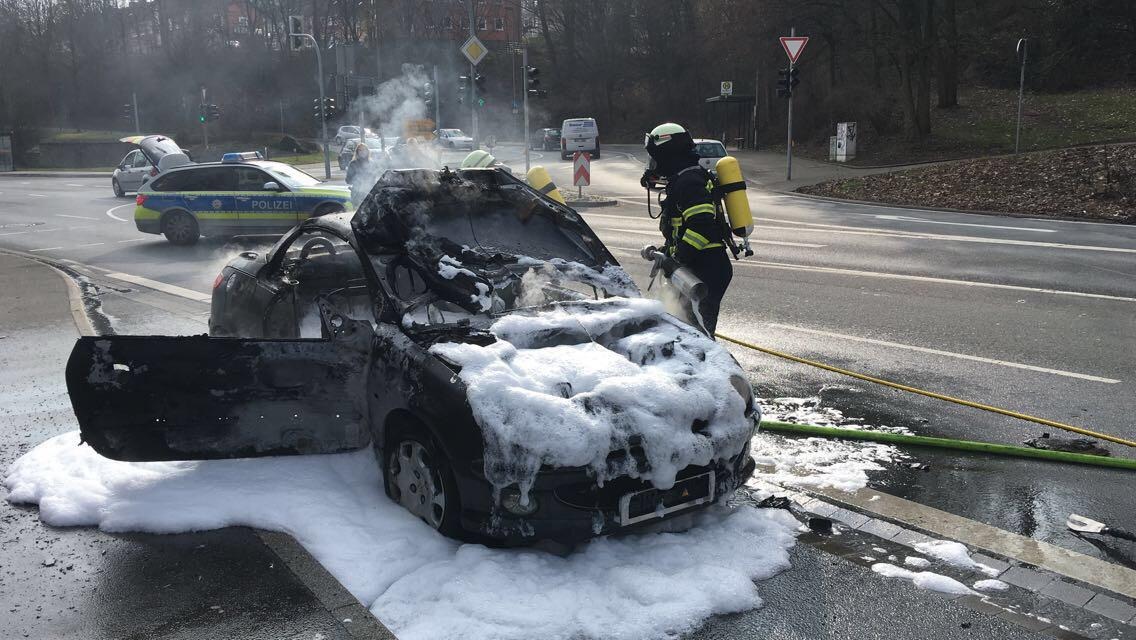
[(955, 554), (923, 579), (817, 462), (991, 585), (422, 585)]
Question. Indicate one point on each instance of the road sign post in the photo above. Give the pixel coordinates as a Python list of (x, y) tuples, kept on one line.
[(1023, 45), (525, 98), (474, 51), (793, 47), (581, 171)]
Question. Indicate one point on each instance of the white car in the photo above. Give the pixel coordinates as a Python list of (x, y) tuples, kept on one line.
[(346, 132), (454, 139), (709, 152), (579, 134)]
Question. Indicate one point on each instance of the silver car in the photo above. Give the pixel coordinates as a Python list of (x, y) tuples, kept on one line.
[(153, 155)]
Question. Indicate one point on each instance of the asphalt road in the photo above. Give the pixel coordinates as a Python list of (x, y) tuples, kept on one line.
[(1031, 315)]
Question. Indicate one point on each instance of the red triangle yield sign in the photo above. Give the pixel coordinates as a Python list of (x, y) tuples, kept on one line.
[(793, 46)]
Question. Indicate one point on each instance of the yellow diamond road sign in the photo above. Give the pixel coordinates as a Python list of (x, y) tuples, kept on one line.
[(473, 50)]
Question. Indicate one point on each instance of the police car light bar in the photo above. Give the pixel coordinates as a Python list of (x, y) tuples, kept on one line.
[(241, 157)]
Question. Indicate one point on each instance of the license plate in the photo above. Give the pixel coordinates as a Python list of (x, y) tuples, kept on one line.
[(654, 503)]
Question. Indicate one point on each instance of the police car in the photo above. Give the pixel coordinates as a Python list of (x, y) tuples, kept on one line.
[(241, 195)]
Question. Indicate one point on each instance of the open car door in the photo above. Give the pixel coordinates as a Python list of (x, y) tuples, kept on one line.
[(141, 398)]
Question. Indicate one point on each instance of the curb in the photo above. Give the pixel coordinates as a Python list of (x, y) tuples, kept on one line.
[(992, 214), (54, 174), (592, 204)]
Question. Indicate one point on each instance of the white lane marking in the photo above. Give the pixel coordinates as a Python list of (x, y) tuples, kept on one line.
[(949, 354), (752, 241), (13, 233), (90, 244), (25, 182), (950, 281), (45, 249), (16, 233), (964, 224), (161, 286), (860, 231), (110, 210), (134, 240), (72, 184), (37, 195), (64, 215)]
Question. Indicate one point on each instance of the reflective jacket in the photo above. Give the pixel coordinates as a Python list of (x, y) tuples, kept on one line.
[(688, 221)]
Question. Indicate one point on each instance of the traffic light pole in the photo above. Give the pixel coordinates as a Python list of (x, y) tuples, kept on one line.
[(134, 99), (1023, 47), (204, 121), (525, 90), (323, 103), (789, 127)]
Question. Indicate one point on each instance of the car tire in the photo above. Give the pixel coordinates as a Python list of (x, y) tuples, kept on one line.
[(597, 153), (417, 476), (327, 209), (118, 192), (180, 228)]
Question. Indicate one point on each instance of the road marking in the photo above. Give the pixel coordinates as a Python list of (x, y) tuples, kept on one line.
[(64, 215), (14, 233), (161, 286), (91, 244), (37, 195), (133, 240), (72, 184), (913, 278), (44, 249), (775, 242), (965, 224), (110, 210), (949, 354), (835, 228)]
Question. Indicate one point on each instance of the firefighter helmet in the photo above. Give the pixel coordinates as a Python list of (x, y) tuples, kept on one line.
[(478, 159)]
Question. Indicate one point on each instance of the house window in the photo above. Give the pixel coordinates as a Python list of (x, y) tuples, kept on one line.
[(481, 24), (498, 24)]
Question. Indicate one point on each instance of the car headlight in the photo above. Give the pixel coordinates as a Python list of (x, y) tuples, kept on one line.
[(511, 501), (742, 386)]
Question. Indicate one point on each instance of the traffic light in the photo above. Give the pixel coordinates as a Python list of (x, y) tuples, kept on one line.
[(329, 110), (533, 83), (128, 111), (295, 26), (212, 112), (787, 82), (463, 89), (202, 113), (479, 80), (428, 96)]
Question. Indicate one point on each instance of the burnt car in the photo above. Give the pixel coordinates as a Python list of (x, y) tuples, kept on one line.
[(475, 334)]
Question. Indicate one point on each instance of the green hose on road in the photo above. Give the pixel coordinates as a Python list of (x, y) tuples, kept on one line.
[(948, 443)]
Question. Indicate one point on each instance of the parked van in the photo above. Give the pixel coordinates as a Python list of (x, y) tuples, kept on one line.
[(579, 134)]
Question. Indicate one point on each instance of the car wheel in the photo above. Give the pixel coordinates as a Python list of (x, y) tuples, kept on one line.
[(327, 209), (180, 228), (418, 477), (597, 154), (118, 192)]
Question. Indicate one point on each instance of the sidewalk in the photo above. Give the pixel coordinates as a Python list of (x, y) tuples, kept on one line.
[(83, 583)]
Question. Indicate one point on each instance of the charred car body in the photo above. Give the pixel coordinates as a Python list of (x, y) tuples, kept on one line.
[(372, 329)]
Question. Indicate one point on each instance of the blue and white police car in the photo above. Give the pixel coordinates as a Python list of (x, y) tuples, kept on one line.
[(241, 195)]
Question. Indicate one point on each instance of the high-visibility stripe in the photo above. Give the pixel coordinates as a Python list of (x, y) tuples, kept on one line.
[(697, 209), (698, 241)]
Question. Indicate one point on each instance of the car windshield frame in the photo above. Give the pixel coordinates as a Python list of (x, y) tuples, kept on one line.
[(280, 172)]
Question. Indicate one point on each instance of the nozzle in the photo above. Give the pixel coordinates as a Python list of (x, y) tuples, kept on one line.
[(650, 253)]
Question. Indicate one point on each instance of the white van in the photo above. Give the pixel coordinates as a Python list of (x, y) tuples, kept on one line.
[(579, 134)]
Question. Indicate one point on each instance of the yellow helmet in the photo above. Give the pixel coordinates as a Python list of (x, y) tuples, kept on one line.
[(478, 159)]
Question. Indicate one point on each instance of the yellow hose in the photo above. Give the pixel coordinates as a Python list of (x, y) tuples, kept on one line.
[(931, 394)]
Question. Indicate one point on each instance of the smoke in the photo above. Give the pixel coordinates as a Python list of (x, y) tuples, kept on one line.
[(396, 103), (673, 301)]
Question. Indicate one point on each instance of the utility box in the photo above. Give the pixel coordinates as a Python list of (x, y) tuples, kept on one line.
[(845, 141), (832, 148)]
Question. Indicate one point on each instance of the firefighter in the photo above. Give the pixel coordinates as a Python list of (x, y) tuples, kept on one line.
[(691, 230)]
